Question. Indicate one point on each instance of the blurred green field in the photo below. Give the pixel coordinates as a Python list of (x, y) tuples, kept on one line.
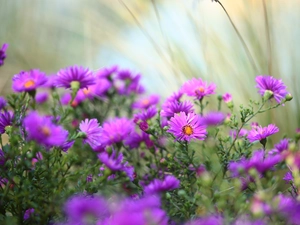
[(167, 41)]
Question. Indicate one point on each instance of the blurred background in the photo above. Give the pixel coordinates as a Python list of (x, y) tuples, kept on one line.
[(167, 41)]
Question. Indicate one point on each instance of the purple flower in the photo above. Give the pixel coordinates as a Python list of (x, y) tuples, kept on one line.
[(258, 161), (28, 80), (2, 158), (67, 145), (137, 212), (96, 90), (115, 163), (198, 88), (6, 119), (269, 83), (116, 130), (145, 103), (259, 133), (282, 145), (176, 96), (213, 119), (41, 97), (288, 177), (3, 102), (92, 131), (28, 213), (209, 220), (186, 127), (227, 97), (135, 140), (75, 75), (145, 114), (244, 220), (157, 186), (126, 83), (243, 132), (106, 72), (44, 131), (79, 209), (3, 53), (170, 108)]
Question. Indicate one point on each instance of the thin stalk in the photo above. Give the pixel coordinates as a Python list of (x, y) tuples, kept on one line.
[(269, 49), (240, 37)]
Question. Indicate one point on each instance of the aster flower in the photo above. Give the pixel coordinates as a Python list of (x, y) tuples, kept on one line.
[(42, 130), (146, 210), (280, 147), (288, 177), (170, 108), (96, 90), (260, 133), (92, 132), (41, 97), (145, 103), (186, 127), (227, 98), (116, 130), (2, 158), (243, 132), (258, 161), (75, 77), (274, 87), (67, 98), (157, 186), (135, 140), (126, 83), (213, 119), (209, 220), (3, 53), (115, 163), (3, 102), (79, 208), (198, 88), (106, 72), (28, 80), (6, 119), (176, 96), (146, 114), (67, 145), (28, 213)]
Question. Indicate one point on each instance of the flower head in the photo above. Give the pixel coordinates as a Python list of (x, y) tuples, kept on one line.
[(259, 133), (75, 75), (44, 131), (127, 83), (106, 72), (41, 97), (79, 209), (6, 119), (227, 98), (198, 88), (3, 53), (213, 119), (28, 213), (145, 103), (116, 130), (170, 108), (274, 87), (3, 102), (145, 114), (92, 131), (157, 186), (28, 80), (186, 127)]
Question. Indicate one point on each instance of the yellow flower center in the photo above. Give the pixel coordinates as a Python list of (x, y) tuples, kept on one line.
[(29, 84), (86, 91), (145, 102), (201, 89), (46, 131), (187, 130)]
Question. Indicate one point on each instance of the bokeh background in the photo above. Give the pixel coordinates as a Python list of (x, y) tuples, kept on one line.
[(168, 41)]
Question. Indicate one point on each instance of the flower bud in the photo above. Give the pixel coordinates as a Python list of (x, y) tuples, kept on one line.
[(288, 97), (268, 94)]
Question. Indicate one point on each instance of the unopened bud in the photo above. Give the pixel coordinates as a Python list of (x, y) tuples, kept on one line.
[(288, 97), (268, 94)]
